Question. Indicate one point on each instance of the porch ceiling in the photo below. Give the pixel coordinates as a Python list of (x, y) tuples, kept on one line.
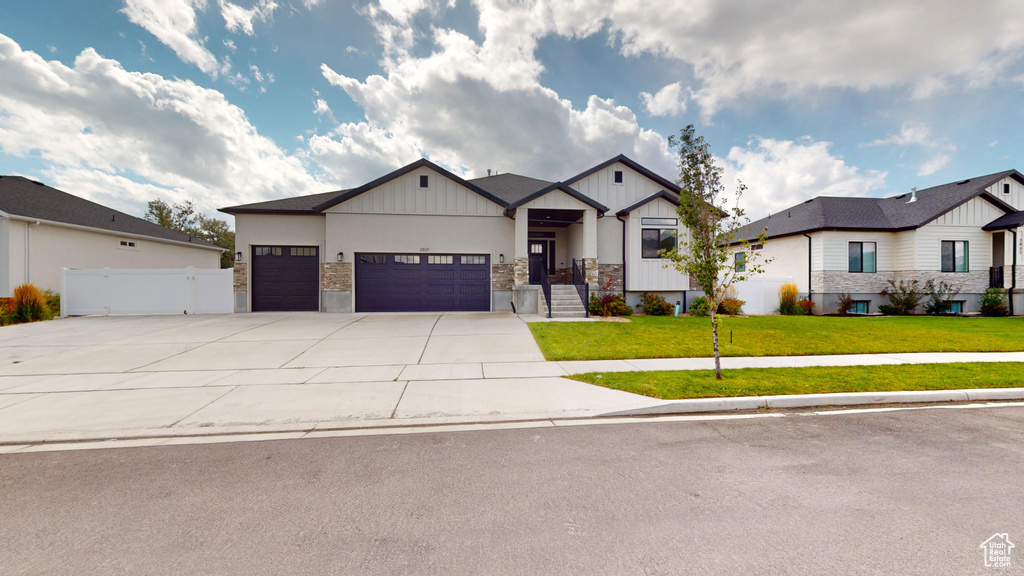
[(554, 218)]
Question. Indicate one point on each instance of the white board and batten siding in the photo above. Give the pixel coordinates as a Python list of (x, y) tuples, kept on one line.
[(146, 291), (1016, 196), (650, 274), (403, 195), (961, 223)]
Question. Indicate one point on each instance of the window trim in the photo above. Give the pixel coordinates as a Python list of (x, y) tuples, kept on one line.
[(424, 181), (1006, 187), (739, 261), (861, 243), (618, 177), (967, 256), (660, 231), (659, 222), (856, 305), (127, 244)]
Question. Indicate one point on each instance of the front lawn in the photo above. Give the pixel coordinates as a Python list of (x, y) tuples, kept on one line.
[(686, 337), (673, 385)]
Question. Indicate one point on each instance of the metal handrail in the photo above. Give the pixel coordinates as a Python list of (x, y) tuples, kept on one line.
[(579, 280), (995, 277), (545, 284)]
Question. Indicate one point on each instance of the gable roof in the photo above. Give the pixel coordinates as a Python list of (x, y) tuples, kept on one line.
[(661, 194), (30, 199), (601, 208), (421, 163), (295, 205), (665, 183), (883, 214), (511, 187)]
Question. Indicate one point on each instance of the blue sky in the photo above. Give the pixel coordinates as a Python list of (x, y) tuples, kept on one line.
[(233, 101)]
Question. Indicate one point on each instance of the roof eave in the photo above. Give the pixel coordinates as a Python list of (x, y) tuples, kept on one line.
[(632, 164), (601, 208)]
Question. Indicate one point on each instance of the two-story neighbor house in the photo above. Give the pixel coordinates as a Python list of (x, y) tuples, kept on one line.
[(966, 233), (423, 239)]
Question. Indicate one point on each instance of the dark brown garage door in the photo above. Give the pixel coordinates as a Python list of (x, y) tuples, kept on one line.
[(285, 278), (422, 282)]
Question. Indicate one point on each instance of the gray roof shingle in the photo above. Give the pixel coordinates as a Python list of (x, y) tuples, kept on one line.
[(888, 214), (511, 187), (20, 196), (294, 205)]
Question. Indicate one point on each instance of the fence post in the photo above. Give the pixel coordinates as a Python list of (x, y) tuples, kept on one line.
[(63, 292), (190, 282), (106, 291)]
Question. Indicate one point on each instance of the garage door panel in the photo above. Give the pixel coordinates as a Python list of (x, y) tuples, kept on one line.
[(438, 282), (285, 278)]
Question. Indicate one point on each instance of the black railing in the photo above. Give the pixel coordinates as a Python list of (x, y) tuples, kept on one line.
[(538, 271), (579, 280), (995, 277)]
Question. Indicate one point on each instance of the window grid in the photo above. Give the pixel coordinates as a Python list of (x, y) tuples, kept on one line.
[(268, 251), (303, 251), (407, 258), (473, 260), (438, 259)]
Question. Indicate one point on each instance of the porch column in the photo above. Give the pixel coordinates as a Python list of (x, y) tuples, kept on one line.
[(590, 244), (521, 259)]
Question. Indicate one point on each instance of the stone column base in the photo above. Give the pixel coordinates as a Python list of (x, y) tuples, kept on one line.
[(521, 274)]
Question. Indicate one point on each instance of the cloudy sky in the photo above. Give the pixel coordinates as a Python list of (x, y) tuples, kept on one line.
[(235, 101)]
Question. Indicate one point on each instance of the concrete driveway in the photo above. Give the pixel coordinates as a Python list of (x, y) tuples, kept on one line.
[(105, 377)]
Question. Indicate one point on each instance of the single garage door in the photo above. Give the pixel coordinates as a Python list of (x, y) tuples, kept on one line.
[(285, 278), (422, 282)]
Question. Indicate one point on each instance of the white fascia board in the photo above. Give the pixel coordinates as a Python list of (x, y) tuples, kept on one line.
[(112, 232)]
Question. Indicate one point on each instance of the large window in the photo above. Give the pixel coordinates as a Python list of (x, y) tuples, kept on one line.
[(654, 240), (740, 261), (955, 256), (862, 257)]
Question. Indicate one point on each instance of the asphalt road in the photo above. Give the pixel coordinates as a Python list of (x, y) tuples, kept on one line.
[(906, 492)]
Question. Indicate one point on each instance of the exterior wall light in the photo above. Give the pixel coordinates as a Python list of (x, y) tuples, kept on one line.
[(341, 256), (501, 258), (238, 256)]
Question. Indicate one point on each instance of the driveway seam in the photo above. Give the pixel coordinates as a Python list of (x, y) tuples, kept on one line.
[(203, 407), (429, 335), (400, 396)]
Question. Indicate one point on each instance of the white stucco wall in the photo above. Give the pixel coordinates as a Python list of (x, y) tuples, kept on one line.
[(278, 230), (788, 259), (414, 234), (54, 247)]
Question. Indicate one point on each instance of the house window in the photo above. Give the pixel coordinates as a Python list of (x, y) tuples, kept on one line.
[(424, 181), (267, 251), (618, 176), (1006, 188), (756, 247), (955, 256), (437, 259), (373, 259), (303, 251), (128, 244), (473, 259), (740, 261), (407, 258), (860, 307), (659, 221), (862, 257), (956, 307), (654, 240)]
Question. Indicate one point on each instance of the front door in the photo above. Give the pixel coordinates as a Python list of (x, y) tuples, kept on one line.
[(538, 260)]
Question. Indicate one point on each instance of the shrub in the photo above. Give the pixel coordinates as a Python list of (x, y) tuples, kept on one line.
[(940, 297), (609, 304), (52, 302), (887, 310), (845, 303), (29, 304), (731, 306), (6, 311), (700, 307), (903, 297), (655, 305), (787, 299), (805, 306), (993, 302)]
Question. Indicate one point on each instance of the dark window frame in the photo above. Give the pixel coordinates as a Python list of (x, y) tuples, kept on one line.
[(654, 221), (618, 177), (949, 264), (424, 181), (859, 269), (661, 241), (1006, 188), (857, 307)]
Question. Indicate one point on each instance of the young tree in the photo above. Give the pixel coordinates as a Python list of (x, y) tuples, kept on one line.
[(707, 254), (184, 218)]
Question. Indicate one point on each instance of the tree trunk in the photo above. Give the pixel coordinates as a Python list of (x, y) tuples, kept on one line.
[(714, 339)]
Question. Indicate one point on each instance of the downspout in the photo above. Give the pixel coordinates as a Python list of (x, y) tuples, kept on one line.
[(1013, 269), (28, 251), (809, 291), (619, 218)]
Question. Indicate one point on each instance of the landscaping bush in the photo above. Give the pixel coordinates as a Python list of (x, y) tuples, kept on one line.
[(887, 310), (700, 307), (845, 303), (29, 304), (52, 302), (6, 311), (787, 299), (731, 306), (903, 297), (609, 304), (805, 306), (993, 302), (655, 305), (940, 297)]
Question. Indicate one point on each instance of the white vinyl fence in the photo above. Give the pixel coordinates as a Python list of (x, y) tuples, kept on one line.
[(145, 291), (760, 294)]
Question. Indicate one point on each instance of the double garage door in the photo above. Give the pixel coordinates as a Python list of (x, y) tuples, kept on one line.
[(287, 278), (422, 282)]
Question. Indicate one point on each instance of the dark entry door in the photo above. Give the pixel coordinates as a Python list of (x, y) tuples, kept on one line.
[(538, 260), (423, 282), (285, 278)]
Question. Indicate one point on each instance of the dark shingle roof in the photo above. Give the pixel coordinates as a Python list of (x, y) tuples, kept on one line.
[(886, 214), (511, 187), (30, 199), (1005, 222), (295, 205)]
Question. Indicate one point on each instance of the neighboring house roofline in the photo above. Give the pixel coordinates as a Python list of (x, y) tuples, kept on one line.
[(668, 184), (601, 208), (421, 163), (662, 194), (197, 244)]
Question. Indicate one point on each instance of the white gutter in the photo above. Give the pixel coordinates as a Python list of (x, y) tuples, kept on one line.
[(37, 222)]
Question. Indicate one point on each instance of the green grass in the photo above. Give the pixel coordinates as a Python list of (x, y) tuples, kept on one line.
[(672, 385), (685, 337)]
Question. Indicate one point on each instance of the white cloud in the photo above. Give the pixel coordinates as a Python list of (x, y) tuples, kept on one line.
[(936, 163), (781, 173), (237, 18), (230, 45), (173, 22), (101, 125), (669, 101), (321, 109)]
